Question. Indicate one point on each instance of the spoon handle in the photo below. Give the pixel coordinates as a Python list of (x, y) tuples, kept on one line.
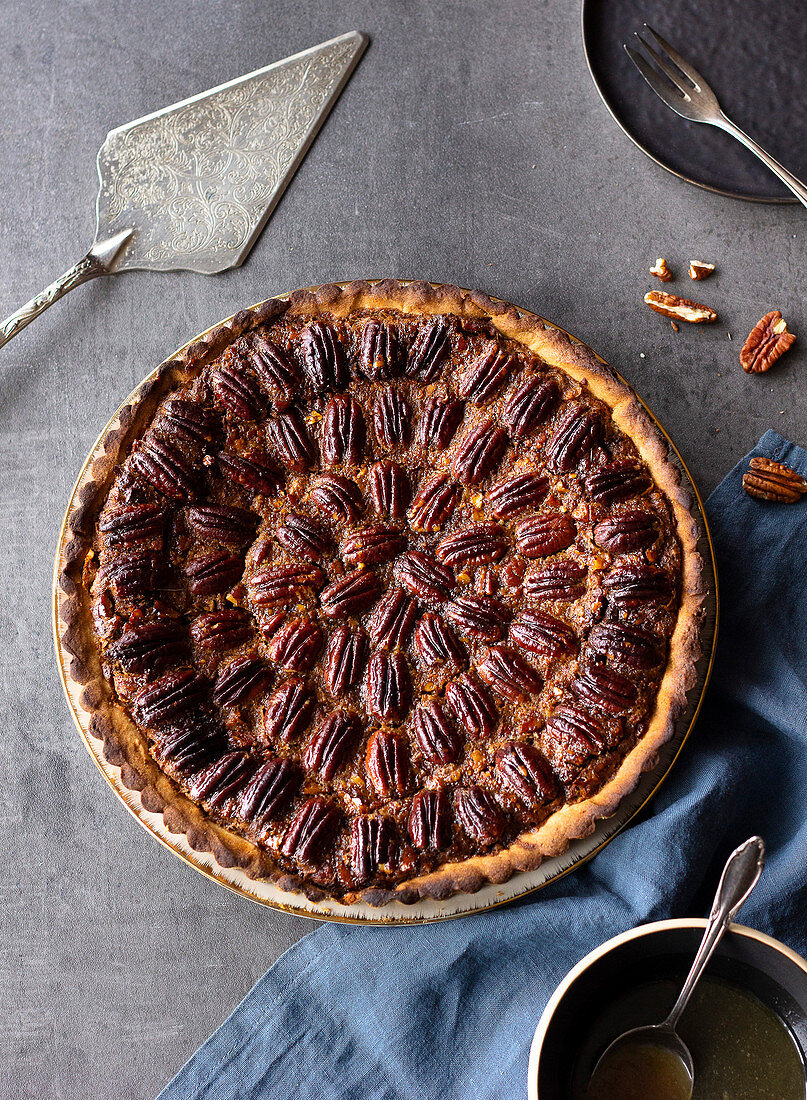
[(740, 876)]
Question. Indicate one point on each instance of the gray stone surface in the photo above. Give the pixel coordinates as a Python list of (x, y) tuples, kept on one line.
[(469, 147)]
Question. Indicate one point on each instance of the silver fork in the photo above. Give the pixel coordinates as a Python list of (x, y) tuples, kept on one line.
[(688, 94)]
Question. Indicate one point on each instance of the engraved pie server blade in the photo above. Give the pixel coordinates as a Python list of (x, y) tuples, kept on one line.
[(190, 187), (683, 89)]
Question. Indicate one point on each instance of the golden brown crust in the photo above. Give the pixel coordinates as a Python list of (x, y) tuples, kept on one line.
[(125, 745)]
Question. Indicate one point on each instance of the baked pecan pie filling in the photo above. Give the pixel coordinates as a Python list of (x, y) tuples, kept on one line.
[(383, 592)]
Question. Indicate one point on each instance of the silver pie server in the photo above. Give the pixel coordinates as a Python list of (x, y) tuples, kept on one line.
[(740, 876), (190, 187)]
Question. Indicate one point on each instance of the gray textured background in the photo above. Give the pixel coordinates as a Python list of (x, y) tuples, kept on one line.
[(470, 146)]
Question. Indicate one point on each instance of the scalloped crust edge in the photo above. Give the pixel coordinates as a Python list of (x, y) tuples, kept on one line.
[(125, 746)]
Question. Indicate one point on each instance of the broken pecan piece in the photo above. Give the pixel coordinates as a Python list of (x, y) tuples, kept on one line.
[(699, 269), (661, 270), (767, 342), (773, 481), (680, 309)]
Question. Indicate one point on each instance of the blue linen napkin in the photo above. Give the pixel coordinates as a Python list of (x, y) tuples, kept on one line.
[(448, 1010)]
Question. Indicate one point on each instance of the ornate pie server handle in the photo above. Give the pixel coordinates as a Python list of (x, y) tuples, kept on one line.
[(100, 260)]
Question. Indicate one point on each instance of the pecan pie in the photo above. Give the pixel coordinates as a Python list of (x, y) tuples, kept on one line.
[(383, 591)]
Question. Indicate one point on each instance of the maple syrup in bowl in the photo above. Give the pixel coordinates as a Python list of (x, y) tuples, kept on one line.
[(746, 1026)]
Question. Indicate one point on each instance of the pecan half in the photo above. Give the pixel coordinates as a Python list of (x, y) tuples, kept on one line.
[(240, 681), (486, 375), (393, 619), (479, 452), (390, 489), (190, 422), (378, 351), (136, 573), (617, 481), (439, 739), (148, 646), (371, 545), (436, 643), (773, 481), (767, 342), (700, 269), (303, 537), (630, 585), (338, 496), (543, 535), (577, 434), (478, 616), (269, 791), (296, 645), (324, 357), (221, 630), (517, 494), (530, 405), (331, 743), (523, 771), (251, 472), (213, 573), (661, 271), (283, 583), (236, 389), (424, 576), (344, 661), (430, 819), (602, 687), (562, 580), (680, 309), (166, 469), (344, 432), (222, 780), (388, 687), (472, 705), (571, 737), (627, 532), (509, 674), (480, 815), (289, 436), (373, 847), (387, 763), (172, 694), (133, 523), (273, 367), (626, 646), (311, 830), (435, 502), (190, 746), (538, 632), (439, 420), (476, 544), (222, 523), (429, 348), (351, 594), (288, 711), (391, 419)]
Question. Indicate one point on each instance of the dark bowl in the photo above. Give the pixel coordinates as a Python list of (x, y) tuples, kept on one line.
[(559, 1058)]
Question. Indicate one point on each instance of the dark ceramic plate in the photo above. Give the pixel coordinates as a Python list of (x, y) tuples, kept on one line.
[(752, 52)]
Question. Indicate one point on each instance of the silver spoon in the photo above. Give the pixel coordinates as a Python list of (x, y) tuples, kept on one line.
[(740, 876)]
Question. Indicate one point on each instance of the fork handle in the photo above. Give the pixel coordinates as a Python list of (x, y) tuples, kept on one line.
[(787, 178)]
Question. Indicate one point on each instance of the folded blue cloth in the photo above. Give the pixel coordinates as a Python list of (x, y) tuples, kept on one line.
[(448, 1010)]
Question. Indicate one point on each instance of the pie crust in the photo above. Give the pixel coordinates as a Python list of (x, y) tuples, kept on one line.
[(584, 377)]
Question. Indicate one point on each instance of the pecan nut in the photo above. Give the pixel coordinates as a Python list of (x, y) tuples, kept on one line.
[(289, 436), (434, 503), (509, 674), (436, 643), (438, 738), (767, 342), (221, 630), (538, 632), (273, 367), (269, 791), (344, 661), (517, 494), (543, 535), (338, 496), (530, 405), (523, 771), (680, 309), (288, 711), (390, 489), (661, 270), (388, 687), (480, 815), (478, 616), (236, 389), (351, 594), (391, 419), (222, 780), (373, 847), (378, 351), (439, 420), (330, 745), (479, 452), (429, 348), (387, 763), (303, 537), (371, 545), (773, 481), (430, 819), (486, 375), (424, 576), (344, 432), (477, 544), (311, 830), (393, 619), (240, 682), (324, 357), (700, 269), (296, 645), (472, 705)]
